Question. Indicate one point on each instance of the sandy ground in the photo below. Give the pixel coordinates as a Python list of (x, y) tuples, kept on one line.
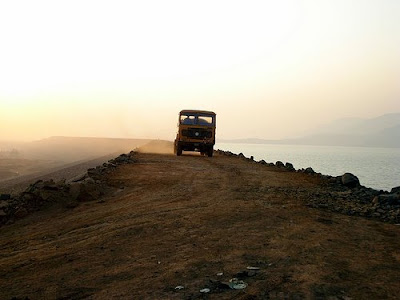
[(179, 221)]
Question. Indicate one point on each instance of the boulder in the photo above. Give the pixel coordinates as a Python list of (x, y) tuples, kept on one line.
[(279, 164), (289, 166), (78, 178), (46, 195), (89, 191), (124, 159), (350, 180), (95, 173), (74, 191), (309, 170), (51, 185), (395, 190)]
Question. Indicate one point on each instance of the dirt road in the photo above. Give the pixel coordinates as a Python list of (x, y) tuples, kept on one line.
[(197, 222)]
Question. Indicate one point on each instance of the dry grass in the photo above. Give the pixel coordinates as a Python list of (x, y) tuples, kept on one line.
[(181, 220)]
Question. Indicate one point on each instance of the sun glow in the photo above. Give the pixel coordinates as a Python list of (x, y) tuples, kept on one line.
[(94, 41), (85, 62)]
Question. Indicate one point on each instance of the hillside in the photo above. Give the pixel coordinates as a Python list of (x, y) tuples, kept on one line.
[(158, 226), (383, 131)]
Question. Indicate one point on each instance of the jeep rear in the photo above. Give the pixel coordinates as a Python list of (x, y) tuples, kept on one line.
[(196, 132)]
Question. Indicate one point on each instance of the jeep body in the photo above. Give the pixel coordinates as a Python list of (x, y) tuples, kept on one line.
[(196, 132)]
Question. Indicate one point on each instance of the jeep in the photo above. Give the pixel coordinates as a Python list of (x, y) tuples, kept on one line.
[(196, 132)]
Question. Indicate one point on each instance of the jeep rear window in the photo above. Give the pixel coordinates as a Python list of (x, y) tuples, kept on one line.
[(188, 119), (194, 119)]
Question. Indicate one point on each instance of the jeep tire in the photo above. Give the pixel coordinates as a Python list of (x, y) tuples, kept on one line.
[(210, 152), (178, 150)]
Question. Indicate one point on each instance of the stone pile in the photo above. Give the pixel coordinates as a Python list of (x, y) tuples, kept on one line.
[(85, 187), (343, 194)]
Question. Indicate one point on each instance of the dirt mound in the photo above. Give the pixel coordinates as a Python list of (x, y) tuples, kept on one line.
[(194, 227)]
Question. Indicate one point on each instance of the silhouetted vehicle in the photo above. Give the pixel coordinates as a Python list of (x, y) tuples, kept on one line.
[(196, 132)]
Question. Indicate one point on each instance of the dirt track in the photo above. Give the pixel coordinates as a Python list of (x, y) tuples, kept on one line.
[(178, 221)]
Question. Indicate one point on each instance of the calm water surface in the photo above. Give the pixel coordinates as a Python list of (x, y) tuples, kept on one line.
[(378, 168)]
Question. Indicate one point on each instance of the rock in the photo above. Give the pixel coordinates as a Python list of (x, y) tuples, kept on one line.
[(78, 178), (85, 191), (5, 196), (74, 191), (289, 166), (28, 197), (90, 191), (334, 180), (50, 185), (387, 199), (124, 159), (309, 170), (89, 180), (262, 162), (34, 186), (395, 190), (279, 164), (94, 173), (46, 195), (350, 180)]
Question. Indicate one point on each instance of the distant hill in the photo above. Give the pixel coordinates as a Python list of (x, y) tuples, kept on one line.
[(69, 149), (383, 131)]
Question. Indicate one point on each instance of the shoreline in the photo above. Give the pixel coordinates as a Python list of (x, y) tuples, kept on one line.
[(376, 168), (342, 194)]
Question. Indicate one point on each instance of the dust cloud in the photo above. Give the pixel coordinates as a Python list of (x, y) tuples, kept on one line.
[(157, 146), (20, 159)]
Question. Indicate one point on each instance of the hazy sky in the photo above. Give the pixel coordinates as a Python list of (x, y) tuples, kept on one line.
[(269, 69)]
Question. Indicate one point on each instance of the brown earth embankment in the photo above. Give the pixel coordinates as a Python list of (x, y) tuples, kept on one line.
[(166, 227)]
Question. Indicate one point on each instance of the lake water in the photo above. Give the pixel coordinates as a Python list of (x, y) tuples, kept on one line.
[(378, 168)]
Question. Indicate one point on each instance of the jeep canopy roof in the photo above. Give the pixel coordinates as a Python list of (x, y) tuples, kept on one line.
[(200, 112)]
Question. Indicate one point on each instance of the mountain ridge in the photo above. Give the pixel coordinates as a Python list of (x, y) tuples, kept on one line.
[(381, 131)]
